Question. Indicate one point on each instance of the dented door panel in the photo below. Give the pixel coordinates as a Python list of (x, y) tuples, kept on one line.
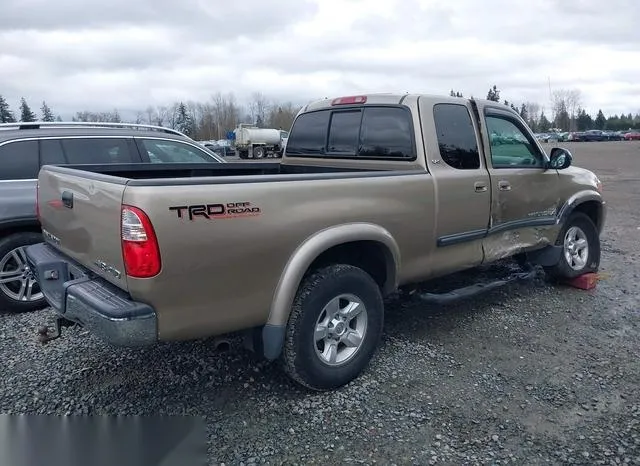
[(525, 194)]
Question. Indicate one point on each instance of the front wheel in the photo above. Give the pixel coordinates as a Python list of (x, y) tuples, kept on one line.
[(580, 248), (334, 328)]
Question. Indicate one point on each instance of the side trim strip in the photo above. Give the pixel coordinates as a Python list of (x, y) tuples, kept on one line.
[(457, 238), (524, 223)]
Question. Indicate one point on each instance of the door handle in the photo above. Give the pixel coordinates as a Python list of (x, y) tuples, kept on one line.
[(67, 199), (480, 187), (504, 186)]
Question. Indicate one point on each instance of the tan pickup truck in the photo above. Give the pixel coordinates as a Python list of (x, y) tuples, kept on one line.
[(373, 193)]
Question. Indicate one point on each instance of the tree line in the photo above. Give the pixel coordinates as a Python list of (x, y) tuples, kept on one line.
[(210, 120), (213, 119), (566, 113)]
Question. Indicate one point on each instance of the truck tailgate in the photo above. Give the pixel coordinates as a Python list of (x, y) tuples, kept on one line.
[(80, 215)]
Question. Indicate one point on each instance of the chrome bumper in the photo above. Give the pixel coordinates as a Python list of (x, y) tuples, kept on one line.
[(82, 297)]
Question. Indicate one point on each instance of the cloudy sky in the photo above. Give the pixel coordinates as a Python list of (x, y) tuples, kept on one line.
[(98, 55)]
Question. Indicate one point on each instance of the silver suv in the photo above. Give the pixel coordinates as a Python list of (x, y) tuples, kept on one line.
[(25, 147)]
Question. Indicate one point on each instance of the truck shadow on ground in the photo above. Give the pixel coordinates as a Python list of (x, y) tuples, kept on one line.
[(194, 377)]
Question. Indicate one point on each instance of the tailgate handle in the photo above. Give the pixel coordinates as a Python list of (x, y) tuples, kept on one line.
[(67, 199)]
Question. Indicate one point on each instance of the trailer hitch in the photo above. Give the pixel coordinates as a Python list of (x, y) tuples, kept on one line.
[(46, 334)]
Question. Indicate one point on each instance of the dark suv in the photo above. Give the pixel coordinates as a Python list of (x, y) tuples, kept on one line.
[(25, 147)]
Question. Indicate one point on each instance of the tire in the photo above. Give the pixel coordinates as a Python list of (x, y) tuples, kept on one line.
[(243, 155), (258, 152), (19, 291), (571, 266), (301, 356)]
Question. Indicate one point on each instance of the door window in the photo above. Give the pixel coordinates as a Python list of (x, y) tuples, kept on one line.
[(19, 160), (51, 152), (165, 151), (510, 147), (96, 151)]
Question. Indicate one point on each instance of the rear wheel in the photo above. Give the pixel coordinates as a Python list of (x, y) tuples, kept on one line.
[(334, 329), (19, 290), (580, 248), (258, 152)]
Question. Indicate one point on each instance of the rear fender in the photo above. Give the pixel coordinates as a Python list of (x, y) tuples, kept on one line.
[(303, 257)]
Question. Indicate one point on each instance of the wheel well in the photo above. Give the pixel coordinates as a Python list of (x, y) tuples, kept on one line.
[(25, 228), (371, 256), (592, 210)]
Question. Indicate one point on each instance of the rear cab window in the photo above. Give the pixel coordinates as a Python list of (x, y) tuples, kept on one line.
[(369, 131), (19, 160)]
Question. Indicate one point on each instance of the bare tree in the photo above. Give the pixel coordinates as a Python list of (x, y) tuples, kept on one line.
[(258, 108), (533, 110), (574, 102)]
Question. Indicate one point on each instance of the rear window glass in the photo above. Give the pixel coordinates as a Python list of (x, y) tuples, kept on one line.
[(344, 131), (97, 150), (19, 160), (370, 132), (309, 134)]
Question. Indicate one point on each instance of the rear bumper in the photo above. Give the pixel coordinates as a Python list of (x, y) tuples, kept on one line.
[(77, 294)]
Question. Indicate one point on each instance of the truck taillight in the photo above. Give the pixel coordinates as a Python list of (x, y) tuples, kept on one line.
[(139, 244)]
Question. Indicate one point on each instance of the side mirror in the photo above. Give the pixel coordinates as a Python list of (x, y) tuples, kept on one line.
[(560, 158)]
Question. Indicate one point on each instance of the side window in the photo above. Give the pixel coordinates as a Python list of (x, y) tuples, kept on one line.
[(97, 150), (51, 152), (456, 136), (386, 132), (510, 148), (309, 134), (344, 131), (166, 151), (19, 160)]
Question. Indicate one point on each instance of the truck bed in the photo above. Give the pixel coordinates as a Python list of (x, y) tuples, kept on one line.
[(149, 174)]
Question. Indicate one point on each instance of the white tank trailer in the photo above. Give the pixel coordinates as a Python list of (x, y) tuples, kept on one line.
[(257, 143)]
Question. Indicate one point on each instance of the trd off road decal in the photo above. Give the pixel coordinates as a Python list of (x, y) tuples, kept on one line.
[(216, 211)]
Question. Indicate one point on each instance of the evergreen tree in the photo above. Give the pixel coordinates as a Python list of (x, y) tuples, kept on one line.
[(600, 120), (184, 123), (6, 115), (544, 123), (455, 93), (26, 114), (524, 113), (585, 121), (47, 114), (562, 119), (493, 94), (58, 118)]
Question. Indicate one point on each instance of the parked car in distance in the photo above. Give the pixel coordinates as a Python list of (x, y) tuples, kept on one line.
[(373, 193), (25, 147), (613, 135), (632, 136)]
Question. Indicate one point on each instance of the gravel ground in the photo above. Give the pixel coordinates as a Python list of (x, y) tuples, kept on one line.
[(531, 374)]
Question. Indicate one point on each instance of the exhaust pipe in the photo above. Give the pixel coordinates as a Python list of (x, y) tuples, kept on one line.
[(221, 344)]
